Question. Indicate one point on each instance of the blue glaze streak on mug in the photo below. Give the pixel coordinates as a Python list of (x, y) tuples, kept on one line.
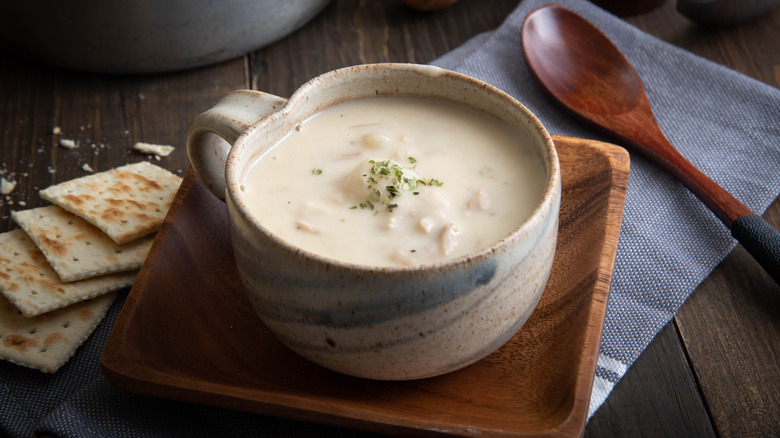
[(372, 319), (399, 299)]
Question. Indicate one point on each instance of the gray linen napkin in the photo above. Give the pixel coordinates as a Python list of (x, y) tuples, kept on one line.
[(725, 123)]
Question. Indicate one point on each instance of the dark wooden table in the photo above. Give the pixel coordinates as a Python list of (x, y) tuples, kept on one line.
[(712, 371)]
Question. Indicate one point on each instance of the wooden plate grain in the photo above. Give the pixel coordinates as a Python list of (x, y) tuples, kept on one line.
[(187, 331)]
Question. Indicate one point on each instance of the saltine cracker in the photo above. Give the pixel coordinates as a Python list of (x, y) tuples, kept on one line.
[(75, 248), (46, 342), (30, 283), (126, 203)]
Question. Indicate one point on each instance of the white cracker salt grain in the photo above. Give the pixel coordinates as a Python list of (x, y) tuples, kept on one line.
[(6, 186), (68, 143), (153, 149)]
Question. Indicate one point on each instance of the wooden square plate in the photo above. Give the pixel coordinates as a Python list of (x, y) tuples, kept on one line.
[(187, 331)]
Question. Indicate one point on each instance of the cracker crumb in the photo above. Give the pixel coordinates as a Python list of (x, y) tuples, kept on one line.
[(87, 168), (153, 149), (56, 130), (6, 186), (68, 143)]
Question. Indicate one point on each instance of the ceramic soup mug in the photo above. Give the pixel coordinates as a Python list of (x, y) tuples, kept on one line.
[(428, 272)]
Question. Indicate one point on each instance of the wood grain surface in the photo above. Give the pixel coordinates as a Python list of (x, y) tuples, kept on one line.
[(606, 91), (539, 383), (713, 371)]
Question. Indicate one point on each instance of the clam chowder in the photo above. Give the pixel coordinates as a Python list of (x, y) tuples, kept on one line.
[(392, 181)]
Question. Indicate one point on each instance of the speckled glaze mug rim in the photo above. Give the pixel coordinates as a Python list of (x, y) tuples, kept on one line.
[(235, 166)]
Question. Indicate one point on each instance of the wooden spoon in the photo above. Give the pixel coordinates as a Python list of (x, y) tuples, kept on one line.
[(581, 68)]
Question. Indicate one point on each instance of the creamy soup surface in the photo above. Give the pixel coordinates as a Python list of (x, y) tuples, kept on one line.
[(392, 181)]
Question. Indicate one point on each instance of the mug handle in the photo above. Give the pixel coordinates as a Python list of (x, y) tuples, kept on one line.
[(212, 133)]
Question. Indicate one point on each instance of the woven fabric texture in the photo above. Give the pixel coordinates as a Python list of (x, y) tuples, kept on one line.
[(725, 123)]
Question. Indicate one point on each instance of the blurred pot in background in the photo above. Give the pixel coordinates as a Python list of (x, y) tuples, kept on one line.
[(705, 12), (724, 12), (625, 8), (144, 36)]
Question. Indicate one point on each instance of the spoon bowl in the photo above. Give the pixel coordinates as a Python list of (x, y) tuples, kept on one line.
[(618, 89), (586, 73)]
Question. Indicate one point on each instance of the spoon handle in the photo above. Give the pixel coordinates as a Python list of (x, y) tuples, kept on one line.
[(755, 234), (761, 240)]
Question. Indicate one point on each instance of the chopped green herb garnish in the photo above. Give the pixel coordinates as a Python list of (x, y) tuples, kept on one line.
[(316, 171), (396, 179), (392, 191)]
